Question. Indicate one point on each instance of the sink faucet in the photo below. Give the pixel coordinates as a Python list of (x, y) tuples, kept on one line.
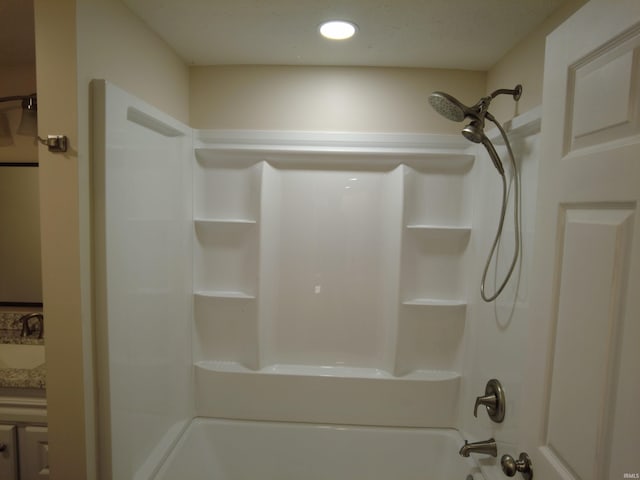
[(26, 329), (488, 447)]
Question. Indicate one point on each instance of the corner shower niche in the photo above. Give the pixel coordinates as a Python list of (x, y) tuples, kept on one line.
[(325, 271)]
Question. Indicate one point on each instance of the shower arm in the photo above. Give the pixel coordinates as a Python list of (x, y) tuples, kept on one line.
[(515, 92), (481, 109)]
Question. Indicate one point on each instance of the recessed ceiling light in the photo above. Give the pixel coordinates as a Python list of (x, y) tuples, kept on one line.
[(337, 30)]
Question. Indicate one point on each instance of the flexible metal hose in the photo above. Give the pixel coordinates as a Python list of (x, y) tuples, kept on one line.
[(516, 214)]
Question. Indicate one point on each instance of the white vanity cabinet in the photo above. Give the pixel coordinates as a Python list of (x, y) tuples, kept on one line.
[(8, 452), (24, 454), (33, 452)]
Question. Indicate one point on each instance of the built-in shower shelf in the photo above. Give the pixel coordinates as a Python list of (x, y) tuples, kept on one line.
[(440, 231), (224, 294), (221, 222), (337, 371), (436, 303), (430, 375), (302, 393)]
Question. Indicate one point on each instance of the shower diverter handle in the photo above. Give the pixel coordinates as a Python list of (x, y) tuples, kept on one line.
[(488, 401), (493, 399)]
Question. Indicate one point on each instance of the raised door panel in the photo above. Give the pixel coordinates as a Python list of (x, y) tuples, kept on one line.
[(34, 453), (594, 256), (8, 453)]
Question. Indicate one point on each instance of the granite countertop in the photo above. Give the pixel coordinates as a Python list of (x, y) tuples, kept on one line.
[(20, 377), (13, 336)]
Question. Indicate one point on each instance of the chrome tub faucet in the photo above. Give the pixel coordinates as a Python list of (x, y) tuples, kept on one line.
[(487, 447), (26, 328)]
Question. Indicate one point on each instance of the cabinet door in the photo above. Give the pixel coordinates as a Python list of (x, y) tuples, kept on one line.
[(34, 453), (8, 450)]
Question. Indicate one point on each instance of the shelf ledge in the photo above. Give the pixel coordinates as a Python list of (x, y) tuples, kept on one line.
[(224, 294), (223, 221), (443, 231), (431, 302), (337, 371)]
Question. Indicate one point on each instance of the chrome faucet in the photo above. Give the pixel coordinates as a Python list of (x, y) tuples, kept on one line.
[(488, 447), (26, 328)]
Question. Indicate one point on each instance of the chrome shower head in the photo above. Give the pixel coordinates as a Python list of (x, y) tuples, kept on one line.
[(452, 109), (474, 132), (448, 106)]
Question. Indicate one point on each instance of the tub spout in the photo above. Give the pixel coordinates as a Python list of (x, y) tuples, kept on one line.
[(488, 447)]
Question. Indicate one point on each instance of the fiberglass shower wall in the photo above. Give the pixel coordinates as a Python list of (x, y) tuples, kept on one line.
[(499, 329), (142, 210), (329, 273)]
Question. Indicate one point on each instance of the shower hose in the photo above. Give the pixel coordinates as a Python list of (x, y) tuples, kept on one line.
[(516, 215)]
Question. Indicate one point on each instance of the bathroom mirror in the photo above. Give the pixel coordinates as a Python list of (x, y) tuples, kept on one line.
[(20, 270)]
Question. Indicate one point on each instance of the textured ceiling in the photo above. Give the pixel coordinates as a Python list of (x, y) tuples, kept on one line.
[(463, 34)]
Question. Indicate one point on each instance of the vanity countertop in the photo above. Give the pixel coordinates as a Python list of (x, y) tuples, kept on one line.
[(13, 336), (33, 378), (24, 378)]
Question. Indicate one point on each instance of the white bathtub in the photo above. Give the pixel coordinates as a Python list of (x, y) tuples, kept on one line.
[(214, 449)]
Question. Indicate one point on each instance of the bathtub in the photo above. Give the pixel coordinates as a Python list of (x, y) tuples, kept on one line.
[(213, 449)]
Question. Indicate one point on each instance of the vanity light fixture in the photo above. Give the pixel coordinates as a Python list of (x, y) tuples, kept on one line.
[(338, 30), (29, 125)]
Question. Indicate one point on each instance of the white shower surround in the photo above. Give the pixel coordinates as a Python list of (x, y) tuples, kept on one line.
[(267, 207), (310, 261)]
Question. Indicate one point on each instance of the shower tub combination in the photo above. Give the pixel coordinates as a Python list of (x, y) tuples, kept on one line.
[(234, 449), (256, 363)]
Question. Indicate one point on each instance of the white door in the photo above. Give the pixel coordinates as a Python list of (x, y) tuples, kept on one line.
[(582, 393)]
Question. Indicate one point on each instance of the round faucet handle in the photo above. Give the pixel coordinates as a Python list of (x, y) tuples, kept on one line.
[(511, 466)]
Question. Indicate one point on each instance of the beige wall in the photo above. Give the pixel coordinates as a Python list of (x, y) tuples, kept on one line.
[(326, 98), (363, 99), (78, 40), (56, 75), (113, 44), (524, 64)]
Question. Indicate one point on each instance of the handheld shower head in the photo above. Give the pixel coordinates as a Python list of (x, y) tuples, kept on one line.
[(447, 106), (474, 132), (453, 109)]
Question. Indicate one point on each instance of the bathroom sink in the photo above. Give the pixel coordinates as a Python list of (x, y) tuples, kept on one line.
[(21, 356)]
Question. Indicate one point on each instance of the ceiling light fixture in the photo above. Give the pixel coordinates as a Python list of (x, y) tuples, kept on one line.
[(338, 30)]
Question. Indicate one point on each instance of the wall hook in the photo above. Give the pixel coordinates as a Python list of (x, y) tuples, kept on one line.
[(55, 143)]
